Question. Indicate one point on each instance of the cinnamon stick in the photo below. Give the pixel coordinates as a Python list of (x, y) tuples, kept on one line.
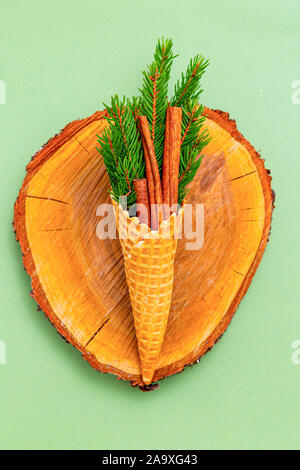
[(142, 200), (166, 168), (174, 132), (149, 154), (150, 183)]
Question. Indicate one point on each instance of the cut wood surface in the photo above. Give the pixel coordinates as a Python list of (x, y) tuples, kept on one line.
[(78, 280)]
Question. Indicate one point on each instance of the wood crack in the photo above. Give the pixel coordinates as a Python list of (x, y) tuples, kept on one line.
[(55, 229), (48, 199), (237, 272), (100, 328), (81, 145), (243, 176)]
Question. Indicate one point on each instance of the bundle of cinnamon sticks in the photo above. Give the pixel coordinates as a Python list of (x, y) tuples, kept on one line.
[(157, 198)]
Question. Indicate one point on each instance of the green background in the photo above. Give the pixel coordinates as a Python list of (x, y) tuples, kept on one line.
[(60, 60)]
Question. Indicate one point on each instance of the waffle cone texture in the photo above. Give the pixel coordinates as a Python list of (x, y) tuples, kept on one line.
[(149, 267)]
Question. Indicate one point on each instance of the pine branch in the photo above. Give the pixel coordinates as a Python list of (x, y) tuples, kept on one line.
[(189, 86), (187, 93), (121, 148), (192, 143), (189, 164), (135, 107), (154, 93)]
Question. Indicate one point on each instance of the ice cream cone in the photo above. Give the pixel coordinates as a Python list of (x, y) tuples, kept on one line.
[(149, 266)]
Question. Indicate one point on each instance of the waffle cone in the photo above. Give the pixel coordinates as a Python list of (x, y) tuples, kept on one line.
[(149, 267)]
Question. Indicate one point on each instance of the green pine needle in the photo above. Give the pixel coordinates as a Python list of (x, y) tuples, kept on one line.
[(192, 143), (189, 86), (154, 94), (121, 148)]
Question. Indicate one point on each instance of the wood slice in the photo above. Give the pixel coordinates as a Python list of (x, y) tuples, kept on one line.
[(78, 280)]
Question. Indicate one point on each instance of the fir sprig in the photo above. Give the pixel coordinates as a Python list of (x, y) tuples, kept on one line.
[(189, 86), (189, 163), (121, 148), (192, 143), (154, 94)]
